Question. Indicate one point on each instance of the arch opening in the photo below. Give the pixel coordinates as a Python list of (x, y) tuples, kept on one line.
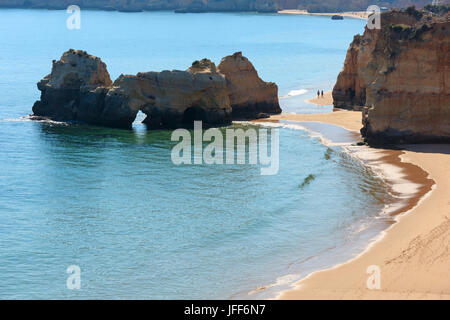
[(192, 114)]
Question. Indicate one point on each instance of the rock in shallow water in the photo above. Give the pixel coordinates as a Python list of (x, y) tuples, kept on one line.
[(249, 95), (79, 89)]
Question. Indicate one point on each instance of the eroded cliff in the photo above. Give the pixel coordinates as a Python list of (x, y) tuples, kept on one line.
[(399, 76), (249, 94), (78, 89)]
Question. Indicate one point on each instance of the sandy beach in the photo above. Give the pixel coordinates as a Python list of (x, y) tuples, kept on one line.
[(350, 120), (413, 254), (353, 14), (326, 100)]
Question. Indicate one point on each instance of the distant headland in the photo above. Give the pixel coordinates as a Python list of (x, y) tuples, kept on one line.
[(198, 6)]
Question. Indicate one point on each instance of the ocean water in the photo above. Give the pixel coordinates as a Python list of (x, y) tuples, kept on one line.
[(112, 202)]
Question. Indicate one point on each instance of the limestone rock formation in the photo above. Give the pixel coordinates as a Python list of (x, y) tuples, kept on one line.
[(173, 99), (349, 91), (249, 95), (400, 77), (79, 89), (76, 90)]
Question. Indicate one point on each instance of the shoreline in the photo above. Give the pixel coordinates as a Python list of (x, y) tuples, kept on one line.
[(326, 100), (409, 171), (363, 15)]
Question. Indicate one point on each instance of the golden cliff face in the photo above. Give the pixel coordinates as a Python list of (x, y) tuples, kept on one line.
[(400, 77), (249, 94), (349, 91)]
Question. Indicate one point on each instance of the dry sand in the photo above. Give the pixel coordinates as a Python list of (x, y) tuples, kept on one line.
[(353, 14), (413, 254)]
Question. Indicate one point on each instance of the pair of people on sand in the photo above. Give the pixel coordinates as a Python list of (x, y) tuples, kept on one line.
[(318, 93)]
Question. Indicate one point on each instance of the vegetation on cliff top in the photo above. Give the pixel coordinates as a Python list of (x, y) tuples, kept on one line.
[(412, 11), (439, 10), (424, 19)]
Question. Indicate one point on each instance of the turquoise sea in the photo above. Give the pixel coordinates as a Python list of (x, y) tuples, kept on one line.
[(112, 202)]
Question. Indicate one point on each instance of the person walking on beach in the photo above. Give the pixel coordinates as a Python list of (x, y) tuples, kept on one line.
[(318, 93), (322, 93)]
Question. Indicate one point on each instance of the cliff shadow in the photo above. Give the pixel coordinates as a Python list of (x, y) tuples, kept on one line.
[(435, 148), (426, 148)]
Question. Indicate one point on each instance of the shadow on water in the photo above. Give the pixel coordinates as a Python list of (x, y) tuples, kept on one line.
[(102, 137), (423, 148), (79, 135)]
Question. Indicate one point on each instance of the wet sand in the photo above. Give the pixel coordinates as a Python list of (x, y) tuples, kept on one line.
[(413, 254), (350, 120)]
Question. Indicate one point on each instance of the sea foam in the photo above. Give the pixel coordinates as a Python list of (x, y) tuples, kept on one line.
[(294, 93)]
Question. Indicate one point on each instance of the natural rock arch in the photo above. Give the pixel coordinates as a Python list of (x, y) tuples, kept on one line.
[(194, 113), (79, 89)]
